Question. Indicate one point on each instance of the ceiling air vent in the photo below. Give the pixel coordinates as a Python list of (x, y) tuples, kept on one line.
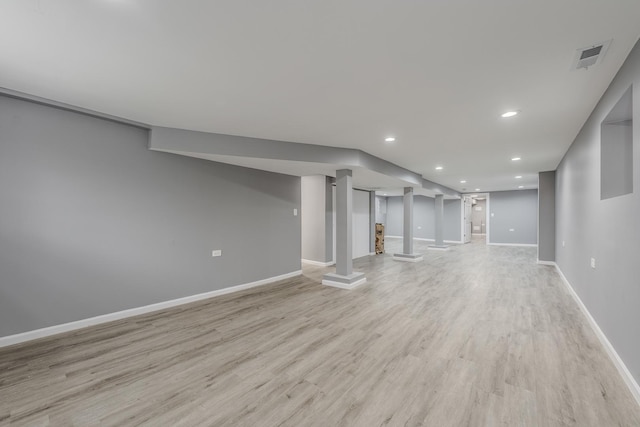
[(588, 56)]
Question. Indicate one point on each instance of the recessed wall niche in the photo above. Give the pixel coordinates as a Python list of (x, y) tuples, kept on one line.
[(616, 149)]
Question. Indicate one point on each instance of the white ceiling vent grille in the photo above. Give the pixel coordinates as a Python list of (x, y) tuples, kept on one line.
[(588, 56)]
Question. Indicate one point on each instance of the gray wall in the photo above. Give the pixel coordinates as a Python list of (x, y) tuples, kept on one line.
[(381, 209), (393, 226), (547, 216), (423, 218), (452, 220), (513, 210), (607, 230), (92, 222), (316, 218)]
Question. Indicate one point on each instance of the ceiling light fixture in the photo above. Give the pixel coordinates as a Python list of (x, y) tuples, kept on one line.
[(463, 181), (515, 159), (518, 176), (438, 168), (509, 114), (477, 189), (520, 186), (390, 139)]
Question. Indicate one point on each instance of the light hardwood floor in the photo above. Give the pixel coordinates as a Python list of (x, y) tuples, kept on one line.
[(477, 336)]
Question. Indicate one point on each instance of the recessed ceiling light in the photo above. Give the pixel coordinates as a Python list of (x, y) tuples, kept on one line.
[(384, 194), (515, 159), (390, 139), (438, 168), (463, 181), (477, 189), (509, 114), (520, 186), (518, 176)]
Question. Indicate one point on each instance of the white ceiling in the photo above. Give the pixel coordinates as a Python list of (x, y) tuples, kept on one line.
[(435, 74)]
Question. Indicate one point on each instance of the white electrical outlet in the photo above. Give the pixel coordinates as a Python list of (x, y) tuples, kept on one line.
[(295, 212), (217, 252), (593, 263)]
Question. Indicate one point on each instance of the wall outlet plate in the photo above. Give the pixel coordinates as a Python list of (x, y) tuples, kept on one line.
[(217, 252), (593, 263), (295, 212)]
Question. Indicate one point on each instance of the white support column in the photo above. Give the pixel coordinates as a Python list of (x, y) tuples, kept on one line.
[(407, 230), (344, 277)]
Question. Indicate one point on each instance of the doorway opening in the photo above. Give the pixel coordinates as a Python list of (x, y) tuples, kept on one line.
[(475, 218)]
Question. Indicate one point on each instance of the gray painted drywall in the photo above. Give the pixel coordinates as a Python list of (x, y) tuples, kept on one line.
[(186, 141), (329, 219), (607, 230), (547, 216), (316, 210), (513, 210), (344, 222), (92, 222), (381, 209), (452, 220), (393, 226), (372, 222), (407, 225), (439, 220), (479, 217), (424, 218)]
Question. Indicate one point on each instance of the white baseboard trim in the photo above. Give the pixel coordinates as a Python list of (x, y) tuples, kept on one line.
[(79, 324), (426, 240), (343, 285), (526, 245), (551, 263), (615, 358), (397, 258), (318, 263)]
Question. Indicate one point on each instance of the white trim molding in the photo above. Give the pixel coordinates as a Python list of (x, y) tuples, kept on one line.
[(613, 355), (406, 259), (551, 263), (318, 263), (422, 239), (110, 317), (341, 285), (526, 245)]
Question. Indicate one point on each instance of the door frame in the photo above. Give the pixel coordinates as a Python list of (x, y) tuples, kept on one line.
[(487, 220)]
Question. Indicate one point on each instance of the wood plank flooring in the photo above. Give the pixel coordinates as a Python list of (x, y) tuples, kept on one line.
[(477, 336)]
